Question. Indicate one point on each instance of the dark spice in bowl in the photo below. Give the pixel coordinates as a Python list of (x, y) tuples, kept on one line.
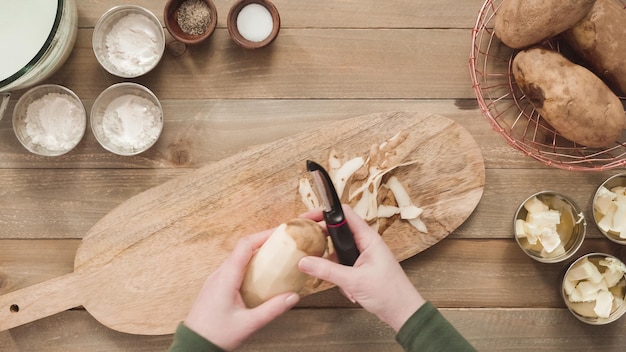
[(190, 21), (194, 16)]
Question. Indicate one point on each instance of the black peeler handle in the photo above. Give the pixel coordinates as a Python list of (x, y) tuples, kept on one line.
[(336, 224), (343, 241)]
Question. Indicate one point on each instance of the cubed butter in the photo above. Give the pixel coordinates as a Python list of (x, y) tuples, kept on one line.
[(604, 303), (534, 205), (584, 270), (604, 200)]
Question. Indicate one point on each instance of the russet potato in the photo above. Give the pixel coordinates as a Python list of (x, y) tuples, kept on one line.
[(578, 104), (274, 267), (522, 23), (600, 39)]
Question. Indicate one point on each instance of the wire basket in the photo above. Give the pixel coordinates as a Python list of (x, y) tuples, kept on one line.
[(512, 115)]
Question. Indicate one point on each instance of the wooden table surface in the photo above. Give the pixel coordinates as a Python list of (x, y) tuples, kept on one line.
[(332, 60)]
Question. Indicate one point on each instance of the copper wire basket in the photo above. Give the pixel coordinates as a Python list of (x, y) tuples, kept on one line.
[(512, 115)]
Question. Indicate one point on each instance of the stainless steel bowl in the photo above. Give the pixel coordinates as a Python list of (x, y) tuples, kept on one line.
[(584, 311), (53, 129), (133, 65), (126, 118), (612, 183), (571, 230)]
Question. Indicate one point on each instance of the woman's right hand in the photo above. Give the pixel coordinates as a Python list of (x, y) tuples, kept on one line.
[(376, 281)]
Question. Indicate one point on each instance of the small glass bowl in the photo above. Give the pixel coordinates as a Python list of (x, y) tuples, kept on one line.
[(170, 16), (583, 311), (618, 180), (236, 35), (572, 223), (49, 132), (127, 118), (103, 27)]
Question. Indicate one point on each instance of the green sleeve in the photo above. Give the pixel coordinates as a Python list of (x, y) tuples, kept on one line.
[(428, 330), (187, 340)]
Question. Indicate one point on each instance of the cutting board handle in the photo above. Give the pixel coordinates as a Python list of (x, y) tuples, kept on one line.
[(39, 301)]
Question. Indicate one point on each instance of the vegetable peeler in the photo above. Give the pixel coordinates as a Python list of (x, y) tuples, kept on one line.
[(337, 226)]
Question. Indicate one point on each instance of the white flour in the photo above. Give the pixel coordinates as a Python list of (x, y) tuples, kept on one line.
[(131, 123), (55, 122), (133, 44)]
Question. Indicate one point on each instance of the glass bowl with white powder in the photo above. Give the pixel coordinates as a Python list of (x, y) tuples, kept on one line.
[(128, 41), (49, 120), (126, 118)]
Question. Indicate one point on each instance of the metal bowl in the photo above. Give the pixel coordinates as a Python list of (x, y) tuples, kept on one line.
[(49, 120), (129, 58), (571, 230), (584, 311), (126, 119), (618, 180)]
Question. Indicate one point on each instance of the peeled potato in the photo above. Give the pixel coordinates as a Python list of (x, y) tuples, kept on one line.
[(578, 104), (274, 268)]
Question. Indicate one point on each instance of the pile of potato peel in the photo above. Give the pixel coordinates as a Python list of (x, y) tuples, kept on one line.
[(368, 185)]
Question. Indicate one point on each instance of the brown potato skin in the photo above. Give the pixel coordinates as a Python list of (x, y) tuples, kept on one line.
[(578, 104), (600, 39), (308, 236), (522, 23)]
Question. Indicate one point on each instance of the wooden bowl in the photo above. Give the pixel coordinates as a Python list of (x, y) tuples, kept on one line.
[(170, 14), (240, 39)]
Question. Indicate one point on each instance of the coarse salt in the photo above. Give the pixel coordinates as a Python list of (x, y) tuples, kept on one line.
[(255, 23), (55, 122), (131, 123), (132, 45)]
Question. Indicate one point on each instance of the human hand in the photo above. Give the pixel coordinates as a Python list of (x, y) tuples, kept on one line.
[(219, 313), (376, 281)]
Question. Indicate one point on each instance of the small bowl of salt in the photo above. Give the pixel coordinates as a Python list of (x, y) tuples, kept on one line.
[(253, 24), (126, 118), (49, 120), (128, 41)]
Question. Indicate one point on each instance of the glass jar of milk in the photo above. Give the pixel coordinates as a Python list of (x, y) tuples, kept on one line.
[(36, 38)]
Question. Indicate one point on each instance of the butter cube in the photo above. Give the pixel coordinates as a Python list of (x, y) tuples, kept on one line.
[(534, 205), (604, 303), (606, 223), (548, 218), (549, 239), (520, 228), (619, 220), (584, 269), (578, 295), (590, 289), (569, 286), (604, 200)]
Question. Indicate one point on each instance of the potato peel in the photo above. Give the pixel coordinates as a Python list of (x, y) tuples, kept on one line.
[(377, 202)]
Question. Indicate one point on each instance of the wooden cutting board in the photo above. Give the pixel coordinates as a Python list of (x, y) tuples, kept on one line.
[(140, 267)]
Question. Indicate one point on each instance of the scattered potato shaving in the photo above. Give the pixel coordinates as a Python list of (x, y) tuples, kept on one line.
[(365, 184), (309, 198), (343, 174)]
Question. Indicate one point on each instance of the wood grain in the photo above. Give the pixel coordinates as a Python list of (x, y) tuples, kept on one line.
[(545, 329), (488, 270), (312, 63), (199, 132), (66, 203), (154, 251), (332, 61)]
